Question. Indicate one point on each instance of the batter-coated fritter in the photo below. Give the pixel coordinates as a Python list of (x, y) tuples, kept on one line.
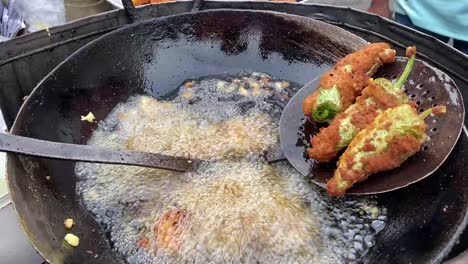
[(380, 95), (168, 233), (340, 86), (394, 136), (170, 229)]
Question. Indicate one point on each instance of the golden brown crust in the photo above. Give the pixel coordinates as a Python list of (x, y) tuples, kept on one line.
[(364, 64), (400, 145), (324, 144), (144, 243), (309, 103), (333, 188), (170, 230), (399, 148), (367, 113), (383, 99), (344, 82), (368, 146)]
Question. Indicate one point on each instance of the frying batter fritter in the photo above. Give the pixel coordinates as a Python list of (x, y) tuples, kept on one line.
[(340, 86)]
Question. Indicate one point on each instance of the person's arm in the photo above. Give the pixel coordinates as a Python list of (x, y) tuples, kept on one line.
[(380, 7), (460, 259)]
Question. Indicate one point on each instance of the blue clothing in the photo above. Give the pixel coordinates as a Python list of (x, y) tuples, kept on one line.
[(448, 18), (458, 44)]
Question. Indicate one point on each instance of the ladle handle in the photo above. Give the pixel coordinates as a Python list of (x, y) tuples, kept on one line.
[(63, 151), (131, 10)]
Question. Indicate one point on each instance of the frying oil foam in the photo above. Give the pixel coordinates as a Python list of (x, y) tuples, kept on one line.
[(236, 208)]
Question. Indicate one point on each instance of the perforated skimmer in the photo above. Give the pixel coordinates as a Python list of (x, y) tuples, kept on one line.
[(427, 86)]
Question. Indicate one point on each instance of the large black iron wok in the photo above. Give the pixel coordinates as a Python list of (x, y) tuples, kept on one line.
[(154, 57)]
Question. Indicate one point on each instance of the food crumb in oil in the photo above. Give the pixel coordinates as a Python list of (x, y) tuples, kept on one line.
[(187, 94), (279, 86), (69, 223), (121, 116), (189, 84), (72, 240), (254, 84), (220, 84), (88, 118), (374, 212), (243, 91)]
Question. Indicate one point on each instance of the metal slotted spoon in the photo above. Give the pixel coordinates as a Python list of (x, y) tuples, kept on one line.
[(427, 86)]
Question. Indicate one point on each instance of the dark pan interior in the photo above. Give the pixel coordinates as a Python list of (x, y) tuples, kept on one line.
[(156, 56)]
